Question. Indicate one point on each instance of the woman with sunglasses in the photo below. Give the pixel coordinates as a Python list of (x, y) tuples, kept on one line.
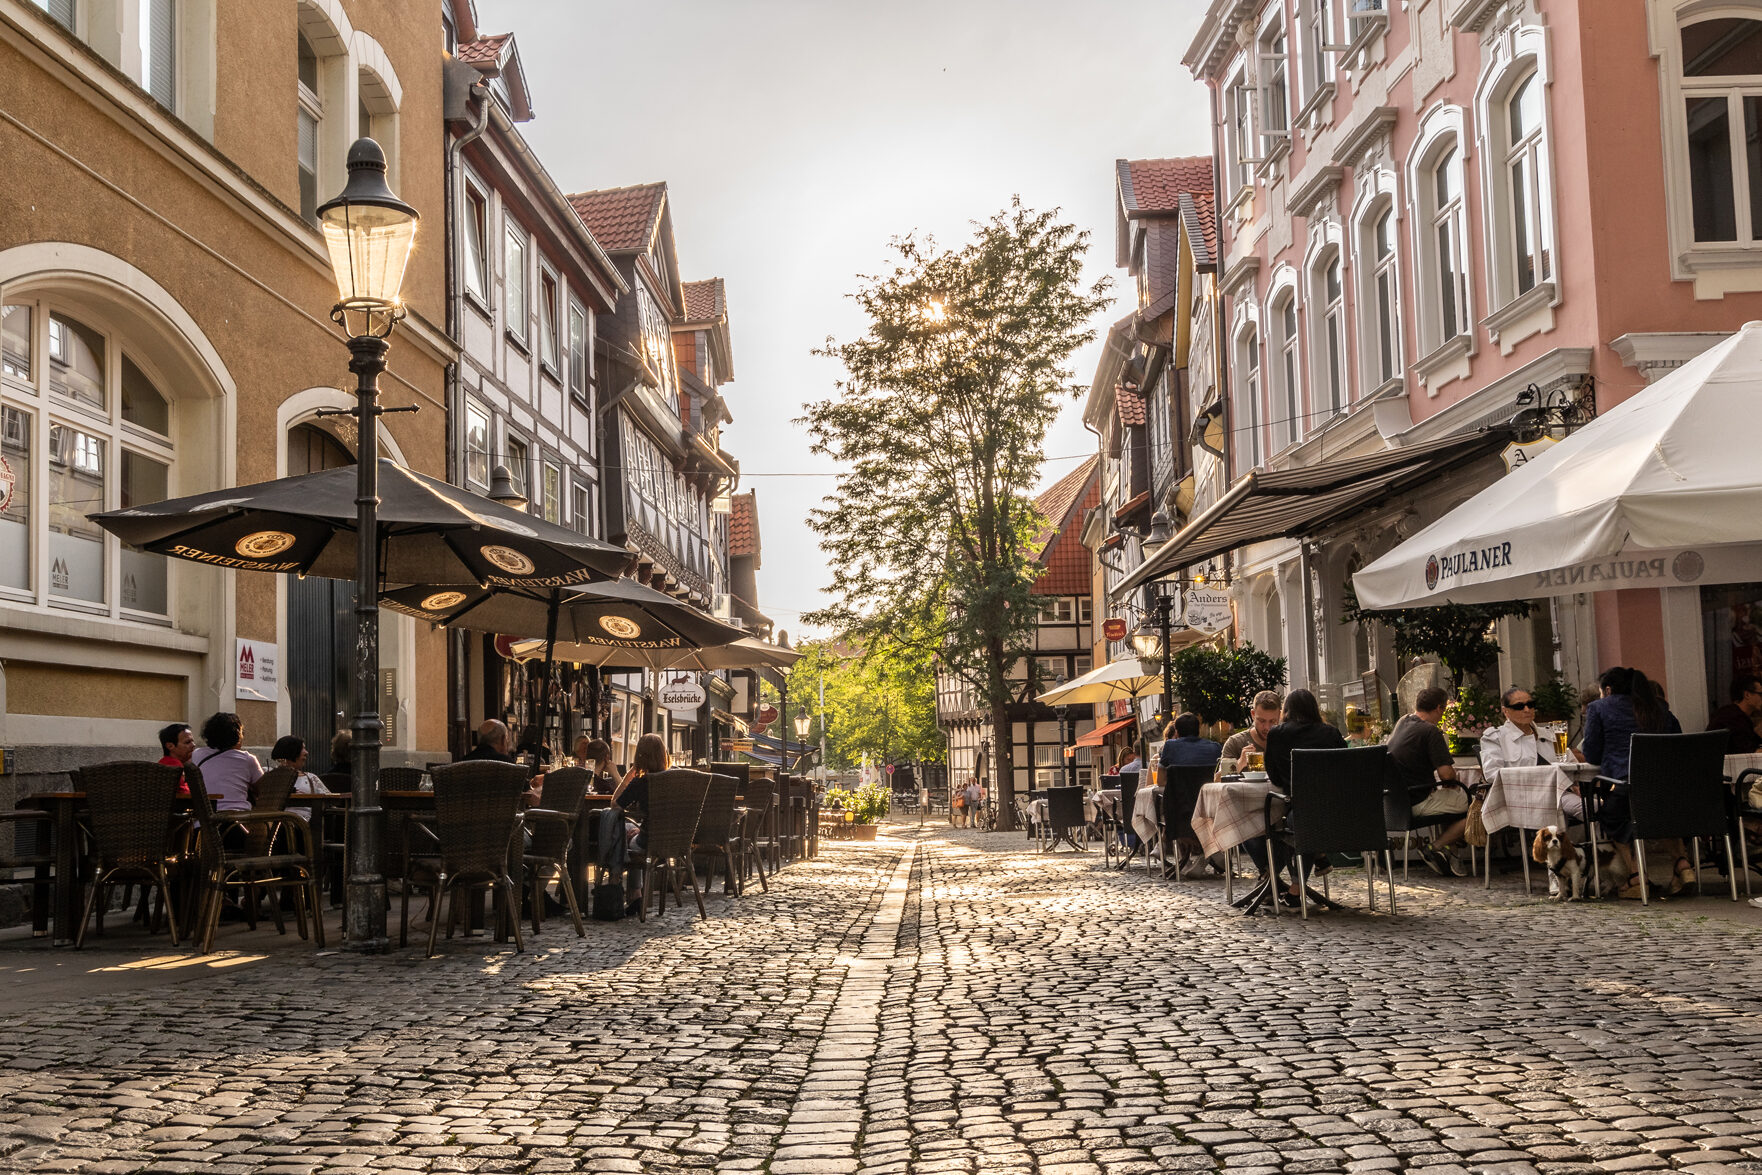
[(1517, 743)]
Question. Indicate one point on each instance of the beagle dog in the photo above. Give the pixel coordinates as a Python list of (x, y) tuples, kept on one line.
[(1564, 859)]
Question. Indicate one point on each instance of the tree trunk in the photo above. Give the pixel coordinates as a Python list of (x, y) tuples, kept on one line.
[(1003, 792)]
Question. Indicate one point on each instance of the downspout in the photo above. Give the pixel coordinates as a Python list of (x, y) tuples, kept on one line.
[(458, 650)]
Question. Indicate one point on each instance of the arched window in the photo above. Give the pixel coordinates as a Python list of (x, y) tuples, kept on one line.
[(1381, 256), (1530, 235), (376, 117), (1248, 416), (1327, 318), (1722, 105), (1288, 395), (1449, 276), (84, 426)]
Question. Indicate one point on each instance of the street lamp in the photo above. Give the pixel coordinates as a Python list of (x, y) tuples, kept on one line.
[(369, 233), (802, 722), (1064, 736)]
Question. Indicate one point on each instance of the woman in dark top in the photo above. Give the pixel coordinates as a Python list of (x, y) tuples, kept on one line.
[(1631, 704), (1302, 729), (632, 797), (595, 757)]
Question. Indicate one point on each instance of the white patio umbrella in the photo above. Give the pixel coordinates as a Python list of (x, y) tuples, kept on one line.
[(1130, 677), (1663, 490)]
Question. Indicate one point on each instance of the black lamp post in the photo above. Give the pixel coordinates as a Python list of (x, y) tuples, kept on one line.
[(369, 233), (1064, 737), (1152, 638)]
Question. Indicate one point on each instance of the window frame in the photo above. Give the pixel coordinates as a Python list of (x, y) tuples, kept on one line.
[(1317, 71), (551, 489), (1441, 143), (581, 357), (476, 207), (1330, 339), (1240, 140), (516, 286), (1380, 291), (1284, 324), (474, 409), (1272, 54), (1514, 56), (1247, 371), (519, 468), (550, 337)]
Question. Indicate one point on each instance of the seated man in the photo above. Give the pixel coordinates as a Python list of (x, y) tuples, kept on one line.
[(1182, 746), (1251, 738), (492, 744), (1740, 715), (178, 743), (1421, 756)]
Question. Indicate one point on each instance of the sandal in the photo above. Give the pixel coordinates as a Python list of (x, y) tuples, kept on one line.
[(1682, 879), (1628, 890)]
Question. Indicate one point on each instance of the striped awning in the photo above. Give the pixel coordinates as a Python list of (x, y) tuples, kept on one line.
[(1285, 503)]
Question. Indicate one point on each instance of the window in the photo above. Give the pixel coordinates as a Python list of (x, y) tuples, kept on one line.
[(1329, 325), (1055, 609), (514, 279), (93, 424), (1084, 664), (159, 51), (1275, 89), (1530, 234), (1449, 276), (376, 118), (1085, 610), (1315, 20), (1722, 103), (1048, 670), (580, 507), (657, 342), (1288, 426), (61, 11), (580, 373), (552, 489), (1240, 138), (1248, 397), (310, 113), (474, 239), (550, 345), (520, 466), (477, 460), (1385, 324)]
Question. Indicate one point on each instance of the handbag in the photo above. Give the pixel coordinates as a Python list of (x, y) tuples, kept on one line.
[(1475, 833)]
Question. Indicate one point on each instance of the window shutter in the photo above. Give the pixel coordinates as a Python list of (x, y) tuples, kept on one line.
[(61, 11), (161, 52)]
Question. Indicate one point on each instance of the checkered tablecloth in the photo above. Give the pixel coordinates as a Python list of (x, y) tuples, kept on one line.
[(1524, 797), (1229, 813), (1737, 764)]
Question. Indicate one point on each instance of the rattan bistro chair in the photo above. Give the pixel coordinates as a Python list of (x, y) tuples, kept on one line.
[(1742, 810), (1676, 788), (133, 835), (553, 837), (1180, 796), (476, 819), (714, 840), (401, 778), (275, 852), (676, 800), (32, 849), (1336, 806), (759, 828)]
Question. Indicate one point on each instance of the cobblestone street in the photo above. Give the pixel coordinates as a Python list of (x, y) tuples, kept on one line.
[(937, 1001)]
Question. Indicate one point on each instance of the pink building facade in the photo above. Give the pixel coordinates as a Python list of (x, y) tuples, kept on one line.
[(1436, 214)]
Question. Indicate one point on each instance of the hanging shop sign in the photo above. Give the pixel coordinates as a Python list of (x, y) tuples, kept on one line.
[(1113, 628), (682, 697), (1207, 609)]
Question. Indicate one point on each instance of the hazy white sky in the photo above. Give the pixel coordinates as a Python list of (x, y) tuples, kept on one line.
[(797, 136)]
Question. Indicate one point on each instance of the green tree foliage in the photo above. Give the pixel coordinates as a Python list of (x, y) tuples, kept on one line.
[(1459, 635), (1220, 684), (937, 427), (880, 702)]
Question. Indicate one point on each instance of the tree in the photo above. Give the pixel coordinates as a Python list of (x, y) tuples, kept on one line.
[(1459, 635), (938, 427), (1219, 684), (880, 702)]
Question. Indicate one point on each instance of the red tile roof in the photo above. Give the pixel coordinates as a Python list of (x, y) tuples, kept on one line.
[(622, 220), (743, 524), (1057, 499), (1067, 562), (705, 301), (1153, 187), (483, 49), (1130, 406), (1199, 221)]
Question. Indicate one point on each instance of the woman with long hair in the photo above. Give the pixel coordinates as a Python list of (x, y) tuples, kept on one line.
[(595, 755), (1631, 704), (1302, 729)]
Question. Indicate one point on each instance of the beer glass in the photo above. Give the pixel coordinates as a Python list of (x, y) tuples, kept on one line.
[(1256, 761), (1560, 743)]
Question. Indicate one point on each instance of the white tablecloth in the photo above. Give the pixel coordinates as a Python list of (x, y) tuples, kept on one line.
[(1524, 797), (1229, 813), (1736, 764)]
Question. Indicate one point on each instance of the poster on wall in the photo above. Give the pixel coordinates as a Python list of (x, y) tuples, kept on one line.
[(256, 673)]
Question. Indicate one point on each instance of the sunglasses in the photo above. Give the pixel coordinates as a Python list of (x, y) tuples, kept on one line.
[(1520, 705)]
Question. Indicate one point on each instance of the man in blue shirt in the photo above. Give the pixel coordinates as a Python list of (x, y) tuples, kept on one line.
[(1182, 746)]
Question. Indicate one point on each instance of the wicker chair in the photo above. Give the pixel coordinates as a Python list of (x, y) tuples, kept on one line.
[(133, 835), (1336, 806), (33, 848), (758, 829), (401, 778), (257, 861), (715, 836), (477, 817), (1180, 796), (676, 800), (553, 836)]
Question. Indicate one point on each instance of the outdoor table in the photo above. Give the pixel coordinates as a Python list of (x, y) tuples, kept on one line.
[(322, 805), (1228, 813), (69, 894), (1736, 765)]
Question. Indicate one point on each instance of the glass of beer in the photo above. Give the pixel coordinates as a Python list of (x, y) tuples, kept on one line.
[(1560, 743), (1256, 761)]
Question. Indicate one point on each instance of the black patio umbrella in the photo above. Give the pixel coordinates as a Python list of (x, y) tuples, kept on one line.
[(618, 622), (431, 533)]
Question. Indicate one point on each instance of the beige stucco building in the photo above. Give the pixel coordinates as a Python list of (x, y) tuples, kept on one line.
[(166, 331)]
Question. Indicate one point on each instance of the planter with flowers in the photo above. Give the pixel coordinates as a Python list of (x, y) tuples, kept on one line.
[(862, 809), (1468, 717)]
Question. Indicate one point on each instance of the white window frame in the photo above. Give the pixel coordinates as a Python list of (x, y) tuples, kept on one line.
[(550, 327), (550, 490), (1440, 142), (1247, 372), (1272, 52), (1284, 351), (1533, 249), (1380, 319), (474, 410), (1511, 57), (520, 466), (581, 357), (1330, 376), (1241, 144), (476, 201), (311, 107), (516, 304), (1717, 268), (1316, 48)]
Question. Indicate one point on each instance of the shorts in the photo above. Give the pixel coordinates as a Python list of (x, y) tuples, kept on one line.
[(1443, 801)]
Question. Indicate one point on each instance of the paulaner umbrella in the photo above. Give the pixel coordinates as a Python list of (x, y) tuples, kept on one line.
[(430, 533), (745, 653)]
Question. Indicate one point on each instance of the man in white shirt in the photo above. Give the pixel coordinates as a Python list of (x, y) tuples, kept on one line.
[(1517, 743)]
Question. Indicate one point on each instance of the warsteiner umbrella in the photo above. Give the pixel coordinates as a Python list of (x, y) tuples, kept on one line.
[(429, 533)]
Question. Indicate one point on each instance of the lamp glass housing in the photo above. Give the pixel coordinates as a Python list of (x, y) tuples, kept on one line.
[(802, 722), (1148, 642), (369, 233)]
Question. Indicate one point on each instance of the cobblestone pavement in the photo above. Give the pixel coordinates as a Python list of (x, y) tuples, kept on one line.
[(939, 1002)]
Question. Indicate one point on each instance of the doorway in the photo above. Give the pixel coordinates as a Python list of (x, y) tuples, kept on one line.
[(321, 623)]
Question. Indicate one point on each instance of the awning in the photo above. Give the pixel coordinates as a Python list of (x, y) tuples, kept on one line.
[(1095, 737), (1280, 503)]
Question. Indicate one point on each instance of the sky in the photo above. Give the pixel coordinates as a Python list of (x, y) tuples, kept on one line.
[(797, 137)]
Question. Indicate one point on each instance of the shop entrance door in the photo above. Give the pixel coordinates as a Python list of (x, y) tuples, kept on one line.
[(321, 623)]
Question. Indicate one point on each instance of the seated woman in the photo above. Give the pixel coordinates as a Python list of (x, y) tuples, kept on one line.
[(630, 802), (229, 772), (1631, 704), (290, 751), (595, 756), (1302, 729)]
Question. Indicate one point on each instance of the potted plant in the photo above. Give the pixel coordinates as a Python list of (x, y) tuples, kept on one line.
[(863, 807), (1468, 717)]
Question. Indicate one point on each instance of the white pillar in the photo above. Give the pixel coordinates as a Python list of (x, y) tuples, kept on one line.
[(1685, 656)]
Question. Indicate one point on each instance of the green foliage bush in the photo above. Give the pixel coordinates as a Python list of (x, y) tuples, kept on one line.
[(1219, 684), (867, 803)]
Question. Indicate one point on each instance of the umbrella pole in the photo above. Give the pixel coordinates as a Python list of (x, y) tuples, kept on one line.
[(544, 709)]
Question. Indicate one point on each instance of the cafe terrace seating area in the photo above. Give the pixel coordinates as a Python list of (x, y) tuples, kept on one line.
[(1348, 807), (119, 850)]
